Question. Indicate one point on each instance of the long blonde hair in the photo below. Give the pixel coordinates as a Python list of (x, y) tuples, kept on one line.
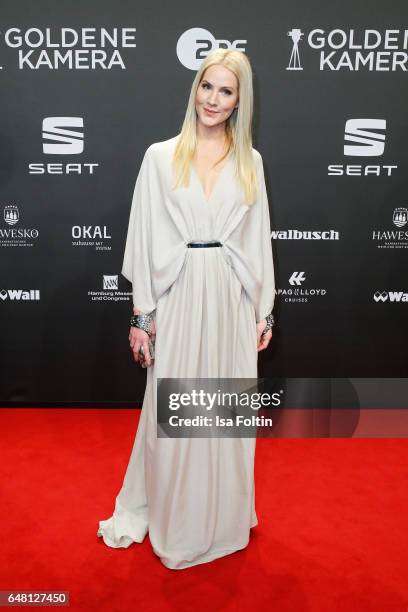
[(238, 128)]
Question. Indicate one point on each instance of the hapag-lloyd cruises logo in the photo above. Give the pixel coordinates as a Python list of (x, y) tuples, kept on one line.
[(353, 50), (295, 293)]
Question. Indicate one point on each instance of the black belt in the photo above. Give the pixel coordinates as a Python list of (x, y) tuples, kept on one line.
[(200, 244)]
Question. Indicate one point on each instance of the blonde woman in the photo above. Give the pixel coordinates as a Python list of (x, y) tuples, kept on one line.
[(198, 254)]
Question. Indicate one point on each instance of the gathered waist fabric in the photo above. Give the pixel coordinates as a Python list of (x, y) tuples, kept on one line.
[(199, 244)]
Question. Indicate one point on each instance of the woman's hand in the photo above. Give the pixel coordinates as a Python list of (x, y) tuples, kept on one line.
[(137, 338), (264, 340)]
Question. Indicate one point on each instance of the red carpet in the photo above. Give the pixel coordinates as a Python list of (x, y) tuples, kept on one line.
[(332, 533)]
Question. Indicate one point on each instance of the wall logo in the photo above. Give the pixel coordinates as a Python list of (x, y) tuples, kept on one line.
[(82, 49), (19, 295), (196, 43), (294, 234), (390, 296), (15, 237), (393, 239), (91, 235), (367, 141), (370, 50), (64, 141), (110, 291), (295, 293)]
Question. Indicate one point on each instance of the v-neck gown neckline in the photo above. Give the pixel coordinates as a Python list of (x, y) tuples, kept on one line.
[(208, 199)]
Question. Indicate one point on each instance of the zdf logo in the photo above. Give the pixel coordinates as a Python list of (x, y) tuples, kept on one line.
[(195, 44), (370, 143)]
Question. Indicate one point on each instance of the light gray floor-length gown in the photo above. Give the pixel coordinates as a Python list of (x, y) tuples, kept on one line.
[(195, 496)]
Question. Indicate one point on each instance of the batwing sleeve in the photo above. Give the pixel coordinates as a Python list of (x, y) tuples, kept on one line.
[(137, 260), (266, 297), (250, 249)]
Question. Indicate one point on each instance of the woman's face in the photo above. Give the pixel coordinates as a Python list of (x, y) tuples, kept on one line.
[(217, 92)]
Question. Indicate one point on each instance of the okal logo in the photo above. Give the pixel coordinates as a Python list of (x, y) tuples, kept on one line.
[(91, 236), (11, 215), (196, 43), (390, 296)]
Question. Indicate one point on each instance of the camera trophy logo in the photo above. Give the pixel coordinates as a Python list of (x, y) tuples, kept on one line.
[(294, 62), (11, 214)]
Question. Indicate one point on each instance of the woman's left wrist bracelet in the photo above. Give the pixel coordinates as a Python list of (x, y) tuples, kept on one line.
[(270, 322), (142, 321)]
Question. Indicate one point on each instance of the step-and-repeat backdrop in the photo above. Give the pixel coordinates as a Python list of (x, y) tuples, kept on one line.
[(84, 92)]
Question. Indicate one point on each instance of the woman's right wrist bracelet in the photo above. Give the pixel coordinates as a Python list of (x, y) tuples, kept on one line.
[(142, 321)]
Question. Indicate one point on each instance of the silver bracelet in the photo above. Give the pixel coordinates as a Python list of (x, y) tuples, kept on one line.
[(142, 321), (270, 322)]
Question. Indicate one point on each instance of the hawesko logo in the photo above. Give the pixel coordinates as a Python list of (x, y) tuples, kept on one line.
[(69, 142), (390, 296), (10, 214), (400, 216), (18, 295), (297, 278), (13, 237), (370, 143), (395, 238), (196, 43)]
